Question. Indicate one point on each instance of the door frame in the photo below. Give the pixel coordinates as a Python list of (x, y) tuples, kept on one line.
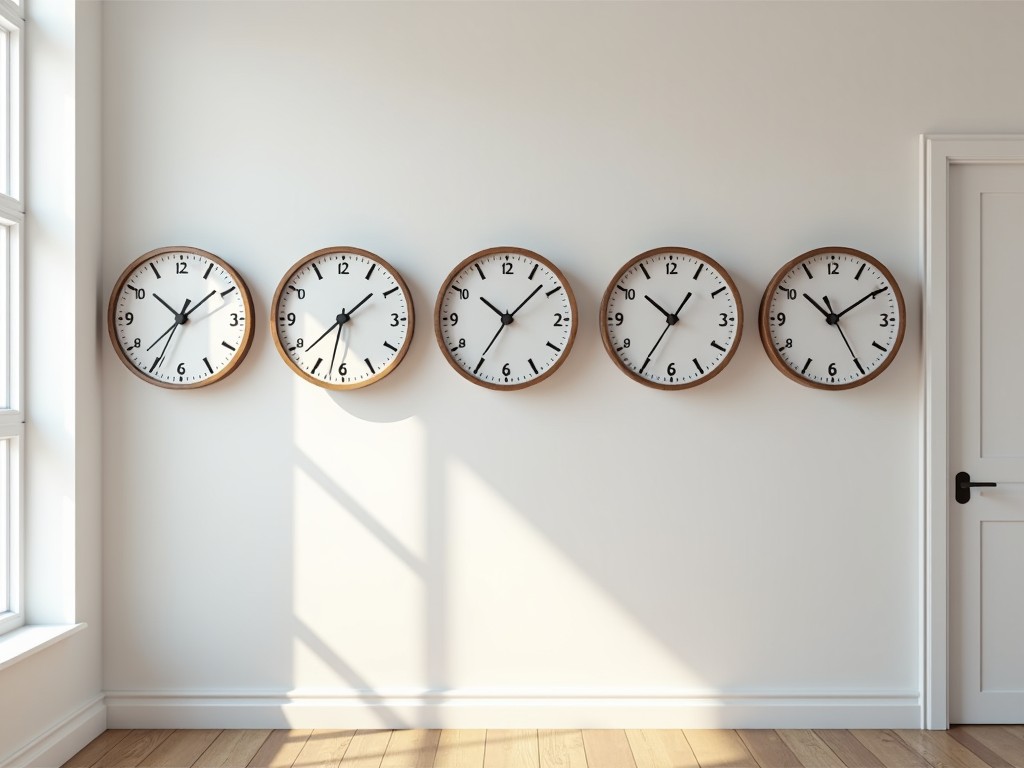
[(938, 153)]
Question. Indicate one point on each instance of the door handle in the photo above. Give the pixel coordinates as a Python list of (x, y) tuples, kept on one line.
[(962, 487)]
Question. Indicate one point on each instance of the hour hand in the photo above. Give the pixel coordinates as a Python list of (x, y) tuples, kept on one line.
[(816, 305), (485, 301), (173, 311), (657, 305)]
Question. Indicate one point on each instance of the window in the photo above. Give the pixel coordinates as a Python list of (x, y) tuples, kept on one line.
[(12, 216)]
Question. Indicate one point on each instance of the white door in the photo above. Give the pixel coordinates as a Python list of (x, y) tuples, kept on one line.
[(986, 440)]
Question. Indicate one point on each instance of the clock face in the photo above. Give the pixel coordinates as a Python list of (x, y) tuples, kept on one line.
[(343, 318), (671, 318), (180, 318), (832, 318), (505, 318)]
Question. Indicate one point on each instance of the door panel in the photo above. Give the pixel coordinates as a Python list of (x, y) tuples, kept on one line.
[(986, 420)]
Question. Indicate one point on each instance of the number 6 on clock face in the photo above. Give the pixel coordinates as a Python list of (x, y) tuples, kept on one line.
[(505, 318)]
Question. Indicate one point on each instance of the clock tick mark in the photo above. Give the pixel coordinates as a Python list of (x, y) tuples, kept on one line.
[(718, 346), (644, 270), (318, 275), (155, 272), (478, 365), (229, 290), (369, 364), (806, 366), (533, 272), (808, 271), (388, 293), (316, 365), (208, 366), (553, 291), (532, 365), (696, 363), (370, 272), (859, 272), (879, 346), (700, 268), (393, 349), (557, 349), (478, 269), (209, 269), (225, 344)]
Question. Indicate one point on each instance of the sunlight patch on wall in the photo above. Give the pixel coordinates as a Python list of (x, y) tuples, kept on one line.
[(358, 533)]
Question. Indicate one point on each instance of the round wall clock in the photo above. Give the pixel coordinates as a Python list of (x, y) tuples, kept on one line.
[(180, 317), (671, 318), (832, 318), (343, 318), (505, 318)]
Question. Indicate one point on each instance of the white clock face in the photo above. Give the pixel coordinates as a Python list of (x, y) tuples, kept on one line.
[(671, 318), (343, 318), (832, 318), (505, 318), (180, 317)]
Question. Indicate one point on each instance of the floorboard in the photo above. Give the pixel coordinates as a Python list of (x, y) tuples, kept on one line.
[(561, 749), (233, 749), (661, 749), (989, 746), (719, 749), (460, 749), (810, 750)]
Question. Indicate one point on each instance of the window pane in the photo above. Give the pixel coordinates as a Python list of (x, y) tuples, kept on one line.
[(6, 540), (5, 316), (5, 112)]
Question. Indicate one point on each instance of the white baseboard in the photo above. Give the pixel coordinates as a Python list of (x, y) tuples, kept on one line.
[(58, 744), (509, 709)]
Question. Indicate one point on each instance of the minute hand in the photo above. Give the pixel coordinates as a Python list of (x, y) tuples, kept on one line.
[(861, 301)]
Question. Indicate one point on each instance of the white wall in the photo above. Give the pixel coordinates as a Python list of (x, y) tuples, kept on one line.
[(51, 703), (587, 543)]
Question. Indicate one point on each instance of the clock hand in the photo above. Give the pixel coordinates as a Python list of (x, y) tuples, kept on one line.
[(658, 306), (512, 314), (500, 329), (817, 306), (861, 301), (197, 306), (485, 301), (839, 328), (336, 323), (179, 318), (336, 340), (670, 320), (357, 306), (172, 309)]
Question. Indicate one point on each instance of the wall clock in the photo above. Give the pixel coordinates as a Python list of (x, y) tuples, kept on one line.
[(671, 318), (505, 318), (180, 318), (343, 318), (832, 318)]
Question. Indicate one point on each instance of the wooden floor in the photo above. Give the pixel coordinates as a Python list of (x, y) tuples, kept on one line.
[(962, 747)]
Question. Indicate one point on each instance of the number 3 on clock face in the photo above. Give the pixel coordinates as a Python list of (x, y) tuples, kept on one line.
[(505, 318), (832, 318)]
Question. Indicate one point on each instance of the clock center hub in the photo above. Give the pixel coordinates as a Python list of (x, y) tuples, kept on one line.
[(832, 319), (343, 318), (672, 319), (180, 318), (506, 319)]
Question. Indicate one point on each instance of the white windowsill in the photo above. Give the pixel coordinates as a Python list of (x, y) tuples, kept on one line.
[(23, 642)]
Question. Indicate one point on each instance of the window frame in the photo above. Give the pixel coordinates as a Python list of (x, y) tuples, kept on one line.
[(12, 326)]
